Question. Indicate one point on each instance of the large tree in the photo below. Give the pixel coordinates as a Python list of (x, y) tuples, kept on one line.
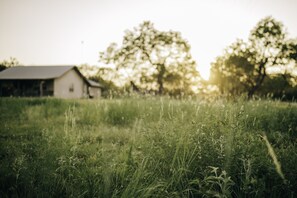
[(153, 59), (244, 65)]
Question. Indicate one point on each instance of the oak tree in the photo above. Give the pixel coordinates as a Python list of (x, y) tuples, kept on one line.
[(153, 59), (243, 67)]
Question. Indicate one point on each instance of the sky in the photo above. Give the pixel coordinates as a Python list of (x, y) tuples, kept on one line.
[(72, 32)]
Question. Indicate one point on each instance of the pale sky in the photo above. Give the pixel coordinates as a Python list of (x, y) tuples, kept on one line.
[(58, 32)]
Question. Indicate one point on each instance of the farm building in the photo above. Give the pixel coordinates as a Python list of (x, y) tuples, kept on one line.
[(39, 81)]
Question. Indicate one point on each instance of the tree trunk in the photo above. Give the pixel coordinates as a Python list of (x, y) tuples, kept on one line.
[(161, 69), (261, 77), (161, 88), (134, 87)]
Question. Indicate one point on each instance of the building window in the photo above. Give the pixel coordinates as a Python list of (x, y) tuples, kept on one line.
[(44, 87), (71, 88)]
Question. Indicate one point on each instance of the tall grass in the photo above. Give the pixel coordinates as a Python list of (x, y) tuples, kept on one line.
[(147, 147)]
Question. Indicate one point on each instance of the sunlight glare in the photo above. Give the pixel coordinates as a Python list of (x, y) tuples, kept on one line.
[(204, 72)]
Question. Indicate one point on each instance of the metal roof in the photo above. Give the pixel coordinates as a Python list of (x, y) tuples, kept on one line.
[(94, 84), (34, 72)]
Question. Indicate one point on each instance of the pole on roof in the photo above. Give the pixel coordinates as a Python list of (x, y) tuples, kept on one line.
[(82, 52)]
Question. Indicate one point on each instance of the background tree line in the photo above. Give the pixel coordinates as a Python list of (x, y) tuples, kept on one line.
[(12, 62), (264, 64), (160, 62)]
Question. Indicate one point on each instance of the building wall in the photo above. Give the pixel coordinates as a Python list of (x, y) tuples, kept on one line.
[(95, 92), (70, 85)]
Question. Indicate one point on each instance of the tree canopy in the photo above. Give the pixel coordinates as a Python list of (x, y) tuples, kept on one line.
[(243, 67), (8, 63), (154, 60)]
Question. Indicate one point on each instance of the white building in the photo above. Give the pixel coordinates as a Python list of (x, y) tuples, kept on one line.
[(39, 81)]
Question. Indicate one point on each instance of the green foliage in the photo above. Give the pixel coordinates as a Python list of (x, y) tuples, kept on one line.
[(155, 60), (278, 86), (122, 113), (216, 184), (243, 67), (107, 77), (8, 63), (290, 48), (161, 148)]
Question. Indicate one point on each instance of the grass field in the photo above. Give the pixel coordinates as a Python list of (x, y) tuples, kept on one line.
[(147, 147)]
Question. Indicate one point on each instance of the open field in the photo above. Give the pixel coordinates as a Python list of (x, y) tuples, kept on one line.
[(147, 147)]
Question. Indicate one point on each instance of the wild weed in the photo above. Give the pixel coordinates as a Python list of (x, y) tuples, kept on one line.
[(147, 147)]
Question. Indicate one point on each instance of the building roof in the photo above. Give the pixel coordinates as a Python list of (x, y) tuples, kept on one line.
[(34, 72), (94, 84), (41, 73)]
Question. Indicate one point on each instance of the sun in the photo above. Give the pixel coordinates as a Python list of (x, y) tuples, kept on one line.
[(204, 72)]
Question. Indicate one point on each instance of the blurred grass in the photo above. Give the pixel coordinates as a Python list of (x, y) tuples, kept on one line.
[(146, 147)]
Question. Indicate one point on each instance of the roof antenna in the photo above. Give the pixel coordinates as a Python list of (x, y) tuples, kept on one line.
[(82, 52)]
